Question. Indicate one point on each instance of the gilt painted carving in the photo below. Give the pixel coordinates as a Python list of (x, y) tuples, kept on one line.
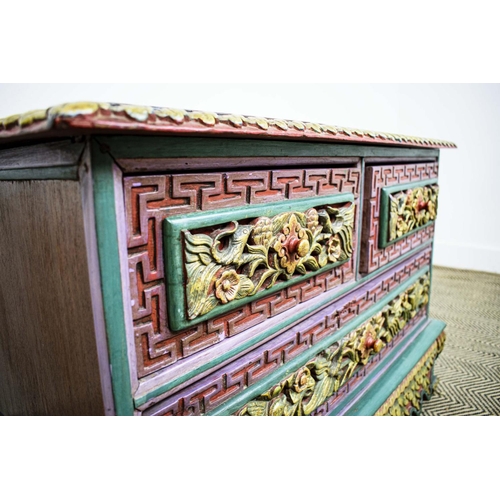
[(411, 209), (242, 259), (307, 388), (418, 385)]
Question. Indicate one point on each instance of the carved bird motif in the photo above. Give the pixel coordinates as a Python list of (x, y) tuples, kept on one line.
[(231, 251)]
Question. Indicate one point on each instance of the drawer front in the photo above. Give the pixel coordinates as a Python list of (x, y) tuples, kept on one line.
[(218, 261), (345, 335), (399, 209), (213, 255)]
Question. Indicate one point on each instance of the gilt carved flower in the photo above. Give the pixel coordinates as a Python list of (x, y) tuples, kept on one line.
[(333, 248), (312, 217), (291, 245), (369, 341), (227, 286), (303, 380)]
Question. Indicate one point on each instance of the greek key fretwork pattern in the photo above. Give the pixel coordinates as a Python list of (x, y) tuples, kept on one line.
[(150, 199), (372, 257), (206, 395)]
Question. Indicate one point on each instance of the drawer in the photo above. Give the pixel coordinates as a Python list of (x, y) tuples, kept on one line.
[(383, 309), (211, 256), (399, 210)]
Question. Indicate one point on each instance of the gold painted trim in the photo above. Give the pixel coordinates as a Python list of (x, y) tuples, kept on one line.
[(155, 117), (408, 394)]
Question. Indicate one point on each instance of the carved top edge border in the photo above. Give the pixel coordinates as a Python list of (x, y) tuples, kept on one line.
[(94, 115)]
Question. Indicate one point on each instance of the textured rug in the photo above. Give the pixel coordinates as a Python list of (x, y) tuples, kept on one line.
[(468, 369)]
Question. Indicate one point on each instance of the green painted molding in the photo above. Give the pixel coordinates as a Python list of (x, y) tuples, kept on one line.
[(384, 211), (174, 257), (131, 146), (405, 357), (107, 242), (285, 370)]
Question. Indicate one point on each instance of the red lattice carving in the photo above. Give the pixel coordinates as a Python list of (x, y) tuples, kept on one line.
[(206, 395), (372, 257), (151, 199)]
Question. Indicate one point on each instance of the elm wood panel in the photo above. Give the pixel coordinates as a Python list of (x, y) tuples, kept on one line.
[(48, 354), (51, 154), (57, 173)]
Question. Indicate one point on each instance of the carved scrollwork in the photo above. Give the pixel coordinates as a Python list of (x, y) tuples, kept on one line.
[(245, 257), (309, 387)]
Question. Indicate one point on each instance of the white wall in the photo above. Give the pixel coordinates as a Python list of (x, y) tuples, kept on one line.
[(468, 227)]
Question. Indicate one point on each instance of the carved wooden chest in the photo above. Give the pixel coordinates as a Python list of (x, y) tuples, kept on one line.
[(168, 262)]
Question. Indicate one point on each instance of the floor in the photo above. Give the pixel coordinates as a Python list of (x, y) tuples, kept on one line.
[(468, 369)]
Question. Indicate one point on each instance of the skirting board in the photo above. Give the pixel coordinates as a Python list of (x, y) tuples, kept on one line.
[(467, 257)]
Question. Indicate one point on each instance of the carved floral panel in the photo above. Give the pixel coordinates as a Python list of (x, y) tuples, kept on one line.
[(406, 211), (382, 179), (248, 255), (310, 386)]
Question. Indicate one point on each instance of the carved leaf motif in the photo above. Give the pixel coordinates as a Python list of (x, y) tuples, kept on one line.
[(323, 389), (246, 288), (311, 263), (198, 248), (199, 281), (257, 408)]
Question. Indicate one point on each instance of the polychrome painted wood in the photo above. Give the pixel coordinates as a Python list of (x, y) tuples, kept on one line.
[(82, 116), (107, 241), (185, 219), (196, 262), (421, 346), (280, 346), (406, 209), (151, 199), (377, 178)]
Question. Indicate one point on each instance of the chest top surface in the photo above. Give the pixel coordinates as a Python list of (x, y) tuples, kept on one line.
[(93, 117)]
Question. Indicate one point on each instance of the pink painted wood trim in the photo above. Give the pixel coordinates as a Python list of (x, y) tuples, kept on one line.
[(85, 174)]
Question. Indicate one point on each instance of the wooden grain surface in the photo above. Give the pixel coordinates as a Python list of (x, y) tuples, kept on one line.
[(214, 147), (48, 356), (232, 163), (50, 154)]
